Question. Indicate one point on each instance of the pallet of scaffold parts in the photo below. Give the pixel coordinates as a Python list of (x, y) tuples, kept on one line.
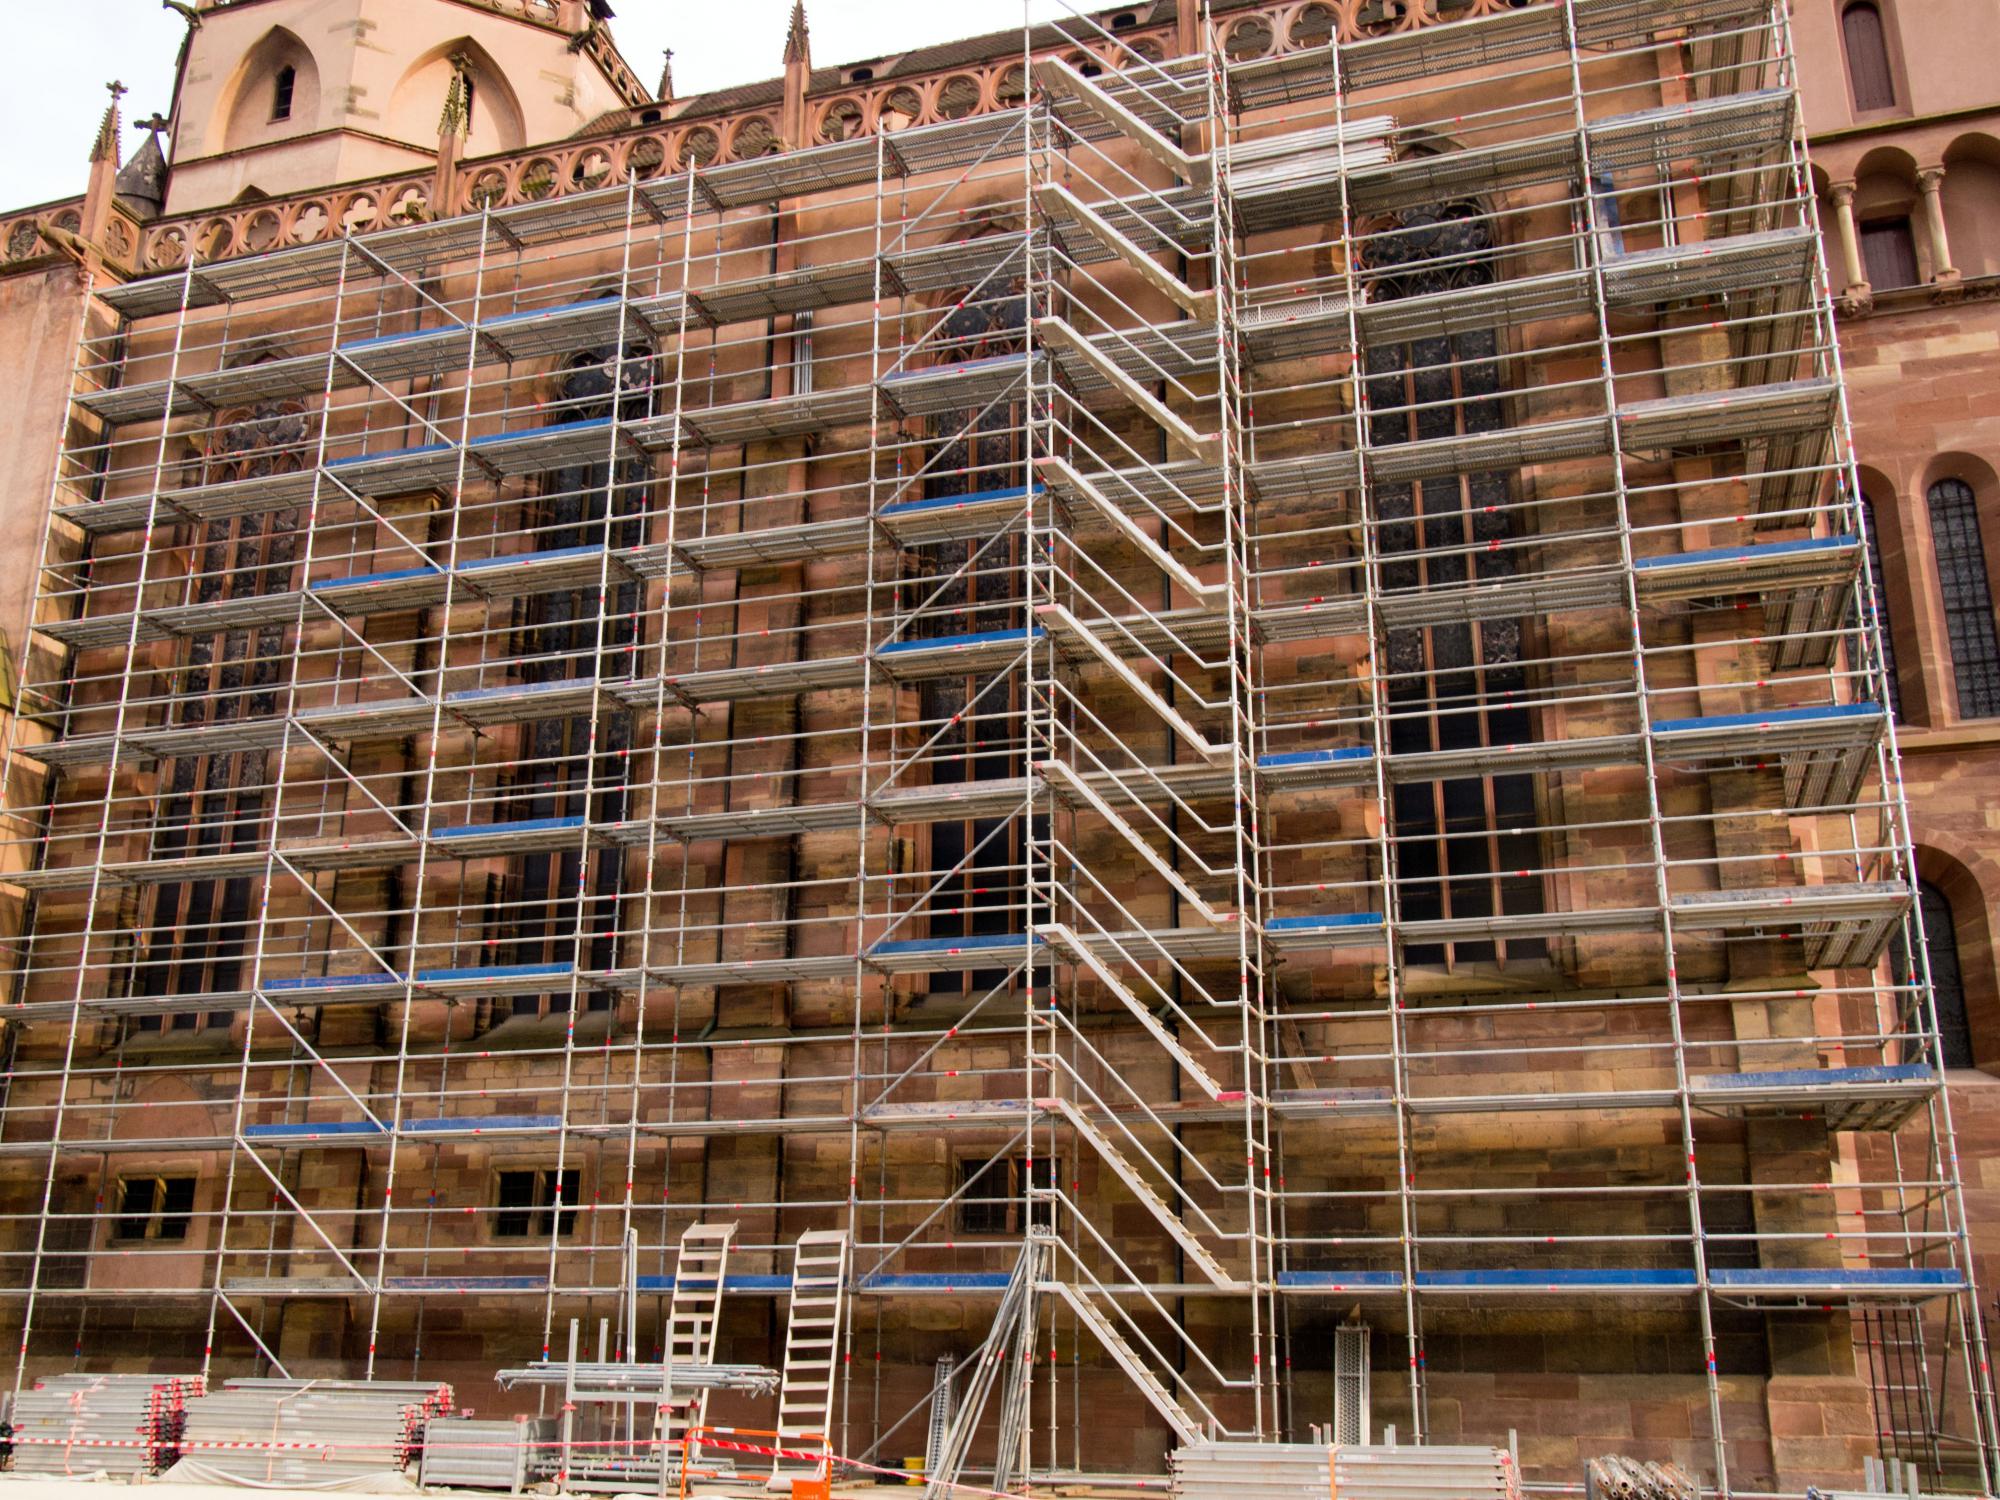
[(1304, 1471), (1612, 1476), (125, 1425)]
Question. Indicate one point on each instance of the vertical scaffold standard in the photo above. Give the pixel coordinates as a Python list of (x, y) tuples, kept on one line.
[(1240, 669)]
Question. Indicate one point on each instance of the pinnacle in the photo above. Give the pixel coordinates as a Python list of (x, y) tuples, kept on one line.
[(105, 147), (798, 42)]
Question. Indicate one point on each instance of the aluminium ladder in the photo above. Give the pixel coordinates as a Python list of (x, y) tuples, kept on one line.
[(812, 1352), (693, 1319)]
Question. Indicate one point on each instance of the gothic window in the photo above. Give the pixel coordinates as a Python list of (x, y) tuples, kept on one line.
[(1452, 686), (960, 588), (561, 771), (196, 939), (282, 90), (1868, 74), (1889, 254), (1881, 603), (1968, 598)]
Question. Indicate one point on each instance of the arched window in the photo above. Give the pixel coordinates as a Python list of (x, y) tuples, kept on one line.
[(976, 866), (1867, 56), (281, 93), (1947, 981), (197, 936), (1881, 602), (1466, 847), (1968, 598)]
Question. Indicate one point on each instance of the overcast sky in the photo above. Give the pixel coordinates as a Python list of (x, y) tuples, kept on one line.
[(66, 52)]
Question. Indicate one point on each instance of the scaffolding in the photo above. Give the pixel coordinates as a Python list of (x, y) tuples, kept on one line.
[(1249, 681)]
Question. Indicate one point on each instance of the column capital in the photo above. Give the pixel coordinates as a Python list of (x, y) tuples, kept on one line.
[(1930, 179), (1842, 192)]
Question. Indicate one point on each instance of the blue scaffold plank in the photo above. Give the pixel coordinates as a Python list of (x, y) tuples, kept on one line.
[(1829, 712), (1315, 757), (475, 695), (1324, 921), (1562, 1278), (332, 981), (481, 1124), (497, 971), (363, 580), (525, 825), (522, 434), (389, 455), (1744, 554), (938, 1281), (310, 1130), (1341, 1281), (957, 502), (744, 1283), (951, 944), (959, 642), (1829, 1078)]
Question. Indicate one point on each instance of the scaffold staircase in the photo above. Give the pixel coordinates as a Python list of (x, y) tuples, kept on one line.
[(1112, 812), (1162, 1400), (1141, 1188)]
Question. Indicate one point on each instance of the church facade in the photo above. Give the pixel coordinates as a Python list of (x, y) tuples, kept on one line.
[(1278, 708)]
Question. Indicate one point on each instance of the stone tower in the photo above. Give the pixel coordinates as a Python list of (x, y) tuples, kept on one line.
[(277, 97)]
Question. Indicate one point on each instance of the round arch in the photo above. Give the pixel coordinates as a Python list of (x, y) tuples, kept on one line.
[(1971, 195), (1969, 880), (1970, 467), (1957, 564)]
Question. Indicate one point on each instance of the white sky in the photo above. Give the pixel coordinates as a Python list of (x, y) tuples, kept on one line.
[(65, 51)]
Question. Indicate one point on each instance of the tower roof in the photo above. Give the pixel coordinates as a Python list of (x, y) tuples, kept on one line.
[(142, 181)]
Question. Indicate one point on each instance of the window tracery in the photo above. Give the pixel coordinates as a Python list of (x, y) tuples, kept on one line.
[(1454, 686), (210, 804), (963, 587), (562, 770)]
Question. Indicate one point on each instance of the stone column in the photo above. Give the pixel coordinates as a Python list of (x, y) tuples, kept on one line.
[(1856, 281), (1931, 180)]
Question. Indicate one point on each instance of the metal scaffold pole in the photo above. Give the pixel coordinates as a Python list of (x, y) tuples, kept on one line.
[(1202, 696)]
